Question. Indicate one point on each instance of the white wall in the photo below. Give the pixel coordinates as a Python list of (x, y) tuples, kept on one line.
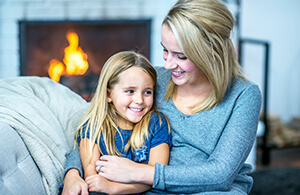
[(277, 22), (11, 11)]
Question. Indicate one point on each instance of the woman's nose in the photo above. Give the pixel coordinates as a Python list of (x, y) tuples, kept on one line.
[(170, 62)]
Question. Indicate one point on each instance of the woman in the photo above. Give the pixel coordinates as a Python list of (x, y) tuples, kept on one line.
[(213, 110)]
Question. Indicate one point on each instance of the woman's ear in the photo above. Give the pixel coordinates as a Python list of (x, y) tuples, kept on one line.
[(109, 100)]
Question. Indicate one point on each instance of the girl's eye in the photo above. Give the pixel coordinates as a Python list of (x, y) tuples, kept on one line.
[(148, 92), (129, 91)]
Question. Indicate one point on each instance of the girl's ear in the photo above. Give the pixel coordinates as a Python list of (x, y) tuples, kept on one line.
[(108, 96)]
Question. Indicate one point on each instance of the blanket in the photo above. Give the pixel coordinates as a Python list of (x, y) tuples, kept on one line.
[(45, 114)]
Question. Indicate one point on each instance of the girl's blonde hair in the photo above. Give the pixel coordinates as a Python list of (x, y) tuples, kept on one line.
[(102, 117), (202, 29)]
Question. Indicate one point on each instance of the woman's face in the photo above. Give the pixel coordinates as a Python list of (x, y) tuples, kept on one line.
[(184, 72)]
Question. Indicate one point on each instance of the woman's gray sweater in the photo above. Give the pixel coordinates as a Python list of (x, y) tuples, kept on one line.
[(209, 148)]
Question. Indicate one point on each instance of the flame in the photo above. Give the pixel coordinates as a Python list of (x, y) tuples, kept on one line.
[(55, 70), (75, 60)]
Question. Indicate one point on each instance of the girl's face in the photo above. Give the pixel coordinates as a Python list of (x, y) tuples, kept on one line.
[(184, 72), (132, 96)]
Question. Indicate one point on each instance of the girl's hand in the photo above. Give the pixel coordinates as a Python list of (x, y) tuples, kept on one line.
[(97, 183), (117, 169), (74, 184)]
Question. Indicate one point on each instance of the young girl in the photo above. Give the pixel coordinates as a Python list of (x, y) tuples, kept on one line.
[(122, 121)]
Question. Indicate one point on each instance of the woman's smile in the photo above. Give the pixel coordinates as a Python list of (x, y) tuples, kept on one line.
[(177, 74)]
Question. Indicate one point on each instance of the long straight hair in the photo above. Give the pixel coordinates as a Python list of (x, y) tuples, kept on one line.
[(202, 29), (101, 117)]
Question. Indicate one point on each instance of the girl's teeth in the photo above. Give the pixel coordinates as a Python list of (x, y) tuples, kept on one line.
[(136, 109)]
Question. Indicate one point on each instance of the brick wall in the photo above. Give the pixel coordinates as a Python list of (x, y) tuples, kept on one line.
[(11, 11)]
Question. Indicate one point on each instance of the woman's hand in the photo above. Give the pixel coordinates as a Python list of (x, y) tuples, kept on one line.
[(116, 168), (123, 170), (74, 184)]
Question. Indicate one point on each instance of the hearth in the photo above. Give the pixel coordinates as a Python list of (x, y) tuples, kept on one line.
[(45, 44)]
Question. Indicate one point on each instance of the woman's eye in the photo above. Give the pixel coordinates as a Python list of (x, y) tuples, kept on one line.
[(181, 57), (165, 54)]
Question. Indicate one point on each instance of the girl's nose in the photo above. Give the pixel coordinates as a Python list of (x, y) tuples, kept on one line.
[(138, 99)]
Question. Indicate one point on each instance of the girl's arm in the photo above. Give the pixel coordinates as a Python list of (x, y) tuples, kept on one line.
[(158, 154), (88, 166)]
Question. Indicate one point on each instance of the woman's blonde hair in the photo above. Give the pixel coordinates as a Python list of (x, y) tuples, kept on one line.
[(102, 117), (202, 29)]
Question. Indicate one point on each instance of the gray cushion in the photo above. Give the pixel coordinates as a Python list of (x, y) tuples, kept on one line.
[(18, 172)]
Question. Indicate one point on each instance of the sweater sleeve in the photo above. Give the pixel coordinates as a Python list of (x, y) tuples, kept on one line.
[(73, 161), (226, 163)]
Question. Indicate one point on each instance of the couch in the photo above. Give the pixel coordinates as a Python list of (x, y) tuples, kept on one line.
[(37, 122)]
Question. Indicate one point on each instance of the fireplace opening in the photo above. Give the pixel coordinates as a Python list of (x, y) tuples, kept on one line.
[(44, 46)]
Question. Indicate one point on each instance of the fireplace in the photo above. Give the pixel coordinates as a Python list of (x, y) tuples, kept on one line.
[(45, 42)]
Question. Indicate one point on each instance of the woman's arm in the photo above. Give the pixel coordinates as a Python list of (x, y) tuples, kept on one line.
[(73, 183), (123, 170), (158, 154)]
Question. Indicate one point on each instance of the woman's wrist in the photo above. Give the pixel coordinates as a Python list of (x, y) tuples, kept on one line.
[(144, 174)]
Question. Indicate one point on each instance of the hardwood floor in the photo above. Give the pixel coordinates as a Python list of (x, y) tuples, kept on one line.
[(279, 158)]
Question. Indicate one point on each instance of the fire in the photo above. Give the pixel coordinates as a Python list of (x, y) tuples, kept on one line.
[(74, 62), (55, 70)]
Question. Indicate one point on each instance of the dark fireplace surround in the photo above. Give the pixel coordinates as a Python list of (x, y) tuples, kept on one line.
[(42, 41)]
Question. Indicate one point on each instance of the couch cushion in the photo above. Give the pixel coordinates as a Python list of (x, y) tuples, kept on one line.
[(18, 172), (45, 114)]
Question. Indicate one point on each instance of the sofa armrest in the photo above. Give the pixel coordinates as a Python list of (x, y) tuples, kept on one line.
[(18, 172)]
